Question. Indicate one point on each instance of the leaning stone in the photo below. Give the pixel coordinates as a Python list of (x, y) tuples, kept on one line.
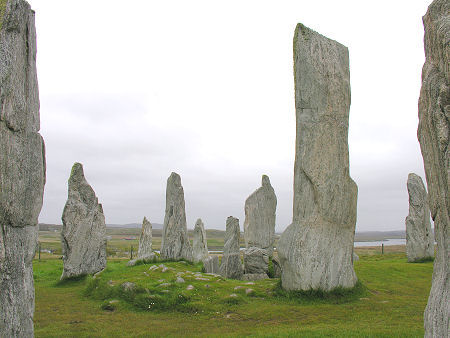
[(22, 167), (200, 246), (433, 134), (419, 238), (145, 242), (315, 251), (256, 261), (83, 234), (259, 224), (255, 276), (231, 266), (175, 242), (211, 264), (276, 267)]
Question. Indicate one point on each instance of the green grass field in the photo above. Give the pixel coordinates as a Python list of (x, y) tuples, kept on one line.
[(390, 303)]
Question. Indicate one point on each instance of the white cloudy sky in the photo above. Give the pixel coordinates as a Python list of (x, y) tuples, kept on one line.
[(137, 89)]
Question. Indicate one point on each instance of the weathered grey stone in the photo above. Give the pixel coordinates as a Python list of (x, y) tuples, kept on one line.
[(128, 286), (276, 267), (145, 241), (419, 238), (200, 246), (259, 224), (211, 264), (315, 251), (433, 134), (83, 234), (256, 260), (22, 167), (254, 276), (231, 266), (175, 241), (179, 280)]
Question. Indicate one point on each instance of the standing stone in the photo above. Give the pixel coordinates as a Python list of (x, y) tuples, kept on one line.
[(211, 264), (259, 224), (419, 238), (83, 234), (231, 266), (145, 241), (175, 241), (315, 251), (22, 167), (433, 134), (200, 244), (256, 261)]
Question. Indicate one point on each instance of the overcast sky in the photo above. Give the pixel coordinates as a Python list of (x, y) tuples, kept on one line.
[(137, 89)]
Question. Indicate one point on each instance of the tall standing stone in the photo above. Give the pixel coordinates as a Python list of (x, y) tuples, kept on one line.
[(175, 241), (83, 234), (315, 251), (145, 241), (22, 167), (419, 238), (200, 246), (433, 134), (231, 266), (259, 224)]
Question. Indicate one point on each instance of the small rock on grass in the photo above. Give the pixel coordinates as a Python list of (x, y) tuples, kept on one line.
[(190, 287), (165, 284), (238, 287), (201, 278), (233, 295), (179, 280), (249, 291)]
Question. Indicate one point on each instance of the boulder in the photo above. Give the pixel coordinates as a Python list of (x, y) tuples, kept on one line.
[(231, 266), (83, 233), (259, 224), (175, 241), (22, 167), (256, 261), (145, 241), (433, 134), (315, 251), (419, 238), (211, 264), (200, 246)]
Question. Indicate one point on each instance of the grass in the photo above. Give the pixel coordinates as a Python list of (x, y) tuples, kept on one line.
[(2, 11), (389, 301)]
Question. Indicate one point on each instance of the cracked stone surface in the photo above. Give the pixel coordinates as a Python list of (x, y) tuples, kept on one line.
[(22, 168), (231, 265), (433, 135), (83, 234), (315, 251), (145, 241), (200, 246), (419, 238), (175, 242), (260, 213)]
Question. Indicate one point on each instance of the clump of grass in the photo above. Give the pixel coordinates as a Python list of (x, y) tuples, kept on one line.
[(271, 273), (338, 295), (423, 260), (70, 280)]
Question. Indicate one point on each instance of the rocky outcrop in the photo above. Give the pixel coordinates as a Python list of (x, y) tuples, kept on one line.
[(433, 134), (22, 167), (259, 224), (231, 265), (256, 261), (211, 264), (175, 242), (83, 234), (419, 238), (145, 241), (200, 246), (315, 251)]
